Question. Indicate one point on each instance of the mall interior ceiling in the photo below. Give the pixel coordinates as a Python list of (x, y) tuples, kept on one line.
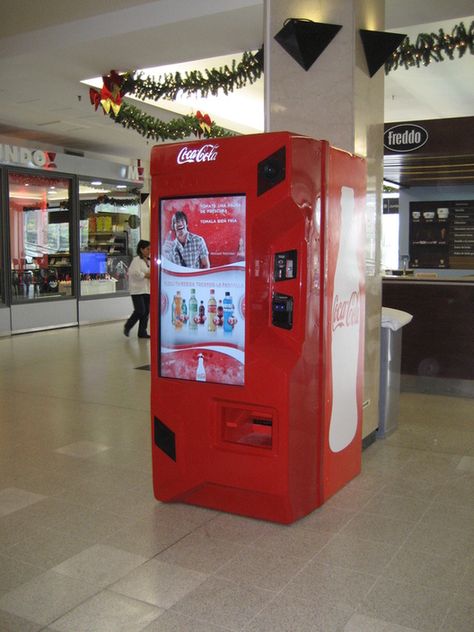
[(47, 48)]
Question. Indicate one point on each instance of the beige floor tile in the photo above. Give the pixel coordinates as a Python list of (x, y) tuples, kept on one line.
[(327, 518), (361, 623), (364, 556), (11, 623), (174, 622), (460, 617), (13, 573), (200, 552), (101, 565), (407, 604), (46, 597), (377, 528), (398, 507), (321, 583), (351, 498), (285, 615), (430, 570), (261, 568), (108, 612), (13, 499), (437, 539), (82, 449), (159, 583), (236, 528), (46, 548), (298, 540), (224, 603), (442, 514)]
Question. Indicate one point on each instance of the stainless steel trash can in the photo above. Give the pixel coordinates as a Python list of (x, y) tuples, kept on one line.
[(390, 361)]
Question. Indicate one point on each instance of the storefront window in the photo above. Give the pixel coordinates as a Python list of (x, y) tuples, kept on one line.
[(40, 237), (109, 234)]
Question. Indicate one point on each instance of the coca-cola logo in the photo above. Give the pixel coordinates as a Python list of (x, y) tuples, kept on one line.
[(346, 313), (206, 153)]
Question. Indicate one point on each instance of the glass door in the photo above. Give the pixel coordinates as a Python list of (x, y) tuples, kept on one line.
[(109, 231), (40, 220)]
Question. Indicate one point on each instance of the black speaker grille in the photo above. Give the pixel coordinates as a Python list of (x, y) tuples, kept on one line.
[(271, 171), (165, 439)]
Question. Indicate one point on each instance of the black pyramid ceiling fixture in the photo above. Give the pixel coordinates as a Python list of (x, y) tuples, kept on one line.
[(305, 40), (378, 46)]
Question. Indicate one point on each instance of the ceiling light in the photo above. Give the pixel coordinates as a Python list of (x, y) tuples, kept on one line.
[(121, 186), (392, 185), (96, 183)]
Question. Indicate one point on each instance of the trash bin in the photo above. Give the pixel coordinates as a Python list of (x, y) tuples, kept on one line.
[(390, 359)]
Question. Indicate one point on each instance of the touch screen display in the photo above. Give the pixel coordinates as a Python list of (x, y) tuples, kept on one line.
[(202, 281)]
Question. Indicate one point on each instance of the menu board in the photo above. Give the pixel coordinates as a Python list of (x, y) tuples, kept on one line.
[(461, 247), (202, 289), (442, 234), (429, 232)]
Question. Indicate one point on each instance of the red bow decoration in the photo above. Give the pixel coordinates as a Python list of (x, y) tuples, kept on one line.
[(110, 95), (94, 97), (205, 122)]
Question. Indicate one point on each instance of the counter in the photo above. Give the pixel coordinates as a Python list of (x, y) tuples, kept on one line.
[(439, 342)]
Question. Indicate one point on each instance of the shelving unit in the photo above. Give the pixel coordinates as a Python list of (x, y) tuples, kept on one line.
[(116, 243)]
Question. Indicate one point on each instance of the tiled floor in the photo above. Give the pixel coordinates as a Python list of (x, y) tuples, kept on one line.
[(85, 547)]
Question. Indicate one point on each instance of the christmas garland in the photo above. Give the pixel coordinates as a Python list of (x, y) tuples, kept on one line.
[(431, 47), (116, 86), (427, 48)]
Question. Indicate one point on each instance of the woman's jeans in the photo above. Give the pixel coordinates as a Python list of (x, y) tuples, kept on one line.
[(141, 311)]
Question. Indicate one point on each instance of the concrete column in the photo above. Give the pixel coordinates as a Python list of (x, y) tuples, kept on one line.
[(337, 101)]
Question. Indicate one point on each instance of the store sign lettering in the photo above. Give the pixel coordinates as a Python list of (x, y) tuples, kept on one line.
[(27, 157), (405, 137)]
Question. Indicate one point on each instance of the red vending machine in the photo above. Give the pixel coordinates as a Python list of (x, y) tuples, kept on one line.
[(257, 322)]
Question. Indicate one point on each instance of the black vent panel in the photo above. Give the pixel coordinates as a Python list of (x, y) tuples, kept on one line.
[(165, 439)]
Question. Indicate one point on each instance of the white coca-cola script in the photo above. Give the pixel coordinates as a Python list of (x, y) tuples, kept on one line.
[(346, 313), (206, 153), (345, 334)]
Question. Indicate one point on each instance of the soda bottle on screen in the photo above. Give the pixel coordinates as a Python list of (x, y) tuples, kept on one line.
[(345, 329), (211, 312), (200, 371), (220, 314), (173, 310), (202, 313), (184, 312), (228, 312), (193, 310), (178, 302)]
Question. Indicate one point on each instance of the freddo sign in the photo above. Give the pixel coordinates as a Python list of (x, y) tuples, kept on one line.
[(405, 137)]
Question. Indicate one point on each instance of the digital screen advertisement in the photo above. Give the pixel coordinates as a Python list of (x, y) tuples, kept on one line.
[(202, 281)]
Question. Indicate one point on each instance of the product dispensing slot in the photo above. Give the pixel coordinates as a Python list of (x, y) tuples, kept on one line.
[(247, 426), (282, 311)]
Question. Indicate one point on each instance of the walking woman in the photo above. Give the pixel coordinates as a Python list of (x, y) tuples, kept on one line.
[(139, 286)]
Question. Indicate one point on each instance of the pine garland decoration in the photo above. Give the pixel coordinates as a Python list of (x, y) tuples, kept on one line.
[(226, 78), (148, 126), (431, 47)]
